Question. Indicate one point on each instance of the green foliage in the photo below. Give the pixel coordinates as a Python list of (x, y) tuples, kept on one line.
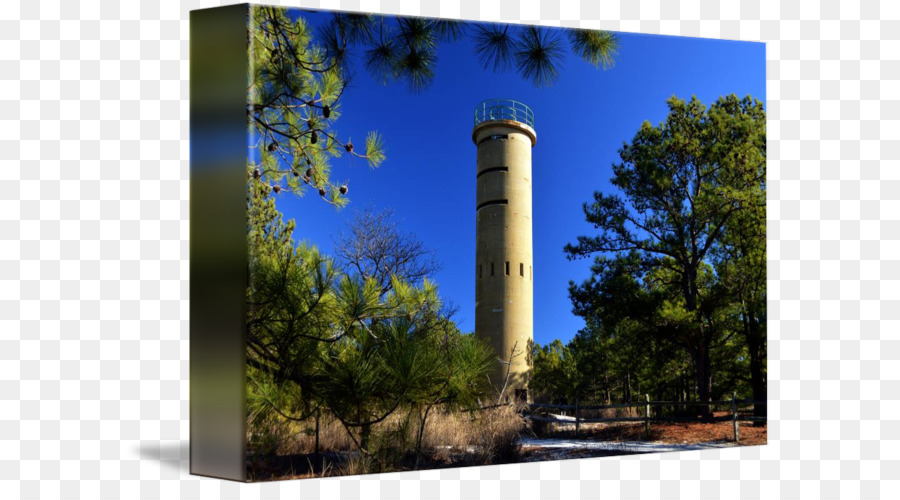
[(679, 256), (404, 49), (296, 82), (298, 75), (555, 377), (740, 259), (538, 55), (495, 46), (596, 47), (318, 338)]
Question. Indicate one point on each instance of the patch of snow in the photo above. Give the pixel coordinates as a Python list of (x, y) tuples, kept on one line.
[(618, 446), (564, 418)]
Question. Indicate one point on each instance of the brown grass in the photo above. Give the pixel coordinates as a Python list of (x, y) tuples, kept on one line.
[(450, 439), (490, 435), (285, 450)]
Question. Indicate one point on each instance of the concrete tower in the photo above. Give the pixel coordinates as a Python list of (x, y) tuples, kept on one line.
[(504, 299)]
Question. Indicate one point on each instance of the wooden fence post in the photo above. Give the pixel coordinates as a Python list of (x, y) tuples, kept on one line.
[(737, 428), (647, 415), (577, 408)]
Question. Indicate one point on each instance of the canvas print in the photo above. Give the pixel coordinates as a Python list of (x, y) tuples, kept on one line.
[(473, 243)]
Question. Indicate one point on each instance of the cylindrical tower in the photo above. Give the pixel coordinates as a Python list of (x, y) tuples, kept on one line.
[(504, 300)]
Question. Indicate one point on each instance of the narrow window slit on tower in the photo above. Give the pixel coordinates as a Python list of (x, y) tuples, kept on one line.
[(492, 268), (492, 169), (492, 202), (493, 137), (479, 271), (507, 268), (521, 269)]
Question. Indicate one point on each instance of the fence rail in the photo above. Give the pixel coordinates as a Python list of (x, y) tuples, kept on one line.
[(652, 403), (735, 416)]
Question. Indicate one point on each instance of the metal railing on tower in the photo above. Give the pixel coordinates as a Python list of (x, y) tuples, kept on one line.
[(503, 109)]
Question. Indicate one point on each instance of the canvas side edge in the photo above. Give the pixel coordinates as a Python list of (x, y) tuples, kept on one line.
[(218, 244)]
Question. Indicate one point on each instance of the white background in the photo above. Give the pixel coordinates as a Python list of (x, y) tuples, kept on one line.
[(94, 258)]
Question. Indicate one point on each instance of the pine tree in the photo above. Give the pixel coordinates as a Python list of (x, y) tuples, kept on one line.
[(683, 186), (294, 102), (298, 75), (404, 49)]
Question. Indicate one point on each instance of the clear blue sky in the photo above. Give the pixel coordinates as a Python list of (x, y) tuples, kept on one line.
[(581, 122)]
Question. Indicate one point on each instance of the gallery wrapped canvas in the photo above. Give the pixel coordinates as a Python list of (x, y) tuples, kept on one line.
[(421, 243)]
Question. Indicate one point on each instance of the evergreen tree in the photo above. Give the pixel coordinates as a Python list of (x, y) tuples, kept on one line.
[(321, 336), (404, 49), (555, 378), (298, 75), (294, 101), (740, 259), (321, 339), (681, 184)]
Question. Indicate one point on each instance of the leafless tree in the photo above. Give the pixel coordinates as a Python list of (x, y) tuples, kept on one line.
[(373, 246)]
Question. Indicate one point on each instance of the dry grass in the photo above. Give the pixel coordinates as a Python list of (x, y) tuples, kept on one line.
[(489, 436), (332, 437), (279, 437), (287, 450), (450, 439)]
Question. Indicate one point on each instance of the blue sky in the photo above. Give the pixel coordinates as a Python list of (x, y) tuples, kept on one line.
[(428, 178)]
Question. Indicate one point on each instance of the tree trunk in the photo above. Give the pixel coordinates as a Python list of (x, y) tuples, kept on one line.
[(660, 396), (701, 355), (608, 395), (419, 436), (757, 374), (704, 380), (628, 386), (364, 433)]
